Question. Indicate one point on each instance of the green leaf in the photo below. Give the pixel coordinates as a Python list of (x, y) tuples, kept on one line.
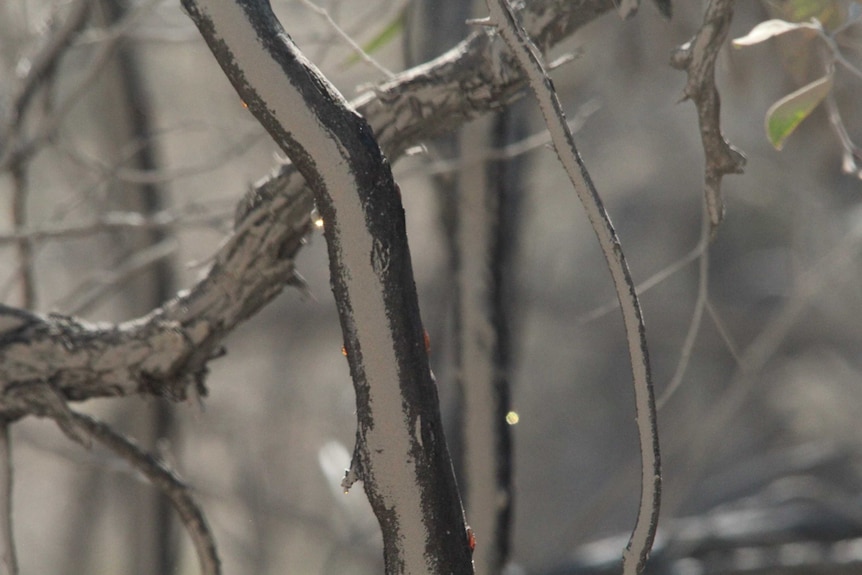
[(785, 115), (769, 29), (829, 12), (389, 33)]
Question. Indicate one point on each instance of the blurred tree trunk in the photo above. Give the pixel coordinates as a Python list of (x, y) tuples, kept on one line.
[(129, 123)]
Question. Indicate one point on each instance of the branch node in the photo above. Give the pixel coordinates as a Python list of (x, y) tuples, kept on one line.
[(351, 475), (44, 400), (680, 57)]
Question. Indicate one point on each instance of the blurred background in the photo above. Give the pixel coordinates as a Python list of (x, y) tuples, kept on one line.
[(761, 441)]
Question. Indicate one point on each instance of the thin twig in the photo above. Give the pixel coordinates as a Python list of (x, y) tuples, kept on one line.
[(508, 152), (116, 221), (731, 345), (363, 55), (92, 291), (824, 273), (852, 152), (654, 280), (39, 64), (190, 512), (696, 316), (640, 543), (8, 559), (18, 149), (121, 172), (23, 247)]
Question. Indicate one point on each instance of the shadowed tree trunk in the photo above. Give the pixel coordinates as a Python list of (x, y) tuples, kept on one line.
[(480, 217)]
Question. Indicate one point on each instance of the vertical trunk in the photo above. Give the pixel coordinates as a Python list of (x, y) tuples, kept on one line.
[(488, 198), (480, 218), (153, 533)]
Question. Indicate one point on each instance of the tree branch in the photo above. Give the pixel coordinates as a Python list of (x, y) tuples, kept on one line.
[(697, 57), (400, 453), (637, 550), (190, 512), (85, 360)]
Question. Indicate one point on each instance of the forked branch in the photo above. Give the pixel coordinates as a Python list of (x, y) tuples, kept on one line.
[(165, 351)]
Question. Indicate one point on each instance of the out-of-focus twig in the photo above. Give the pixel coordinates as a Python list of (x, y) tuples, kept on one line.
[(696, 316), (339, 31), (852, 153), (114, 221), (20, 148), (8, 559), (92, 291), (173, 487), (36, 71), (756, 355), (37, 66)]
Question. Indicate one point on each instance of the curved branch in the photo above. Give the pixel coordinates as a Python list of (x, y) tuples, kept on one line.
[(166, 351), (163, 478), (400, 453), (637, 550)]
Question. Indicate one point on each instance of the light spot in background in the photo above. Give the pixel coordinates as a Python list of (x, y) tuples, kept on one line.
[(316, 219), (512, 418)]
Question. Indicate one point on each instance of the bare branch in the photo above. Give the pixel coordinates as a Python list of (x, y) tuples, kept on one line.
[(38, 70), (638, 548), (39, 64), (339, 31), (696, 316), (697, 57), (92, 291), (18, 148), (654, 280), (115, 221), (256, 262), (400, 454), (163, 478)]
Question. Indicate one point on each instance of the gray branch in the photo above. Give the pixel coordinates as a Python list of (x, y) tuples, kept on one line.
[(166, 351), (400, 454)]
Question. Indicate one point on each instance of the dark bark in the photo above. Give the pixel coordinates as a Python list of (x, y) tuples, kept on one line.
[(244, 36)]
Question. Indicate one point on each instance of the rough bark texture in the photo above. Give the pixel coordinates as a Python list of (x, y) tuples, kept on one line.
[(167, 350)]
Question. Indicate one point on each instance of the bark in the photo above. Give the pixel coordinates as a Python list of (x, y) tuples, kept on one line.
[(519, 42), (154, 533), (480, 221), (400, 453), (166, 352)]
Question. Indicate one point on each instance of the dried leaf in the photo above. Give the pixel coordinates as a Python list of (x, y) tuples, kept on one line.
[(769, 29)]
